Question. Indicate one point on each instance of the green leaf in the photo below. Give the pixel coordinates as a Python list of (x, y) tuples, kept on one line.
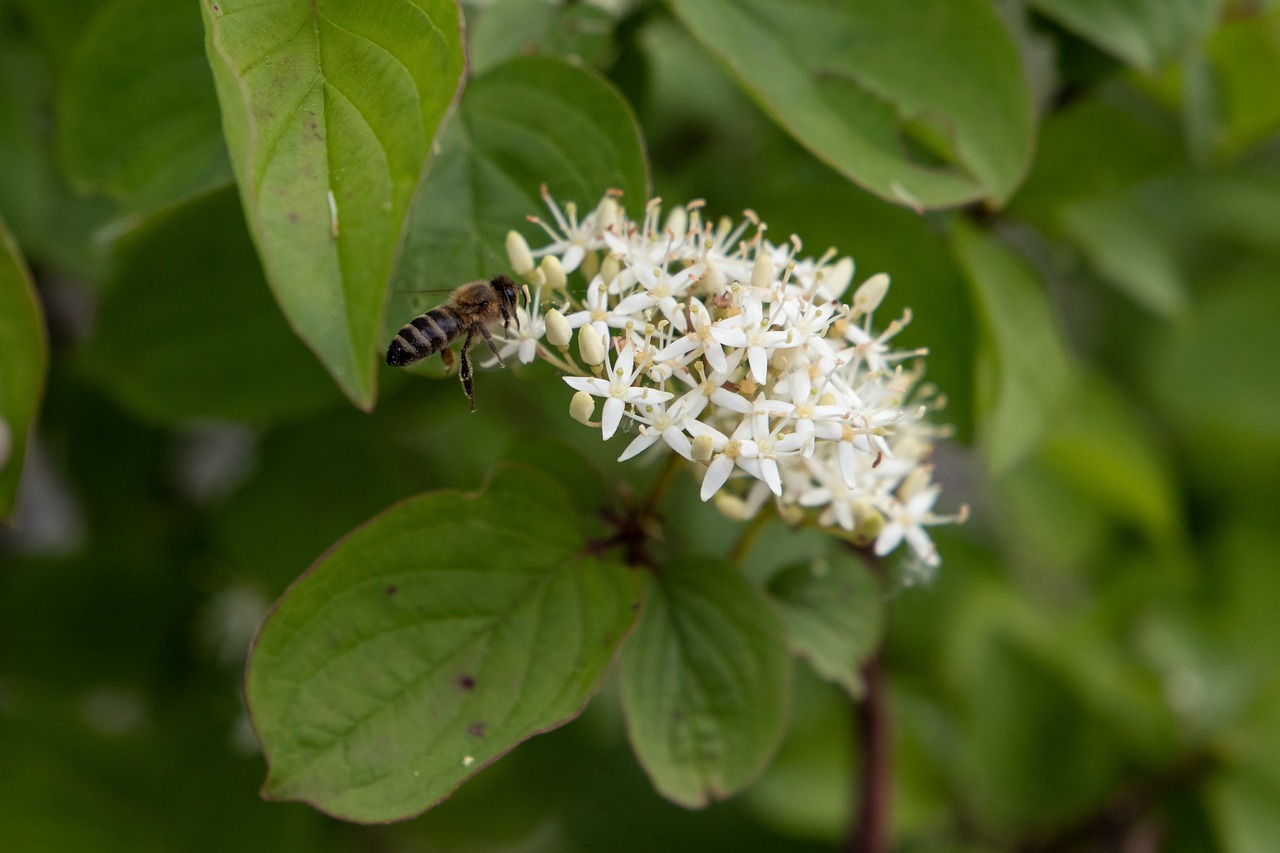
[(1024, 373), (1094, 148), (330, 109), (705, 682), (1145, 33), (1105, 451), (923, 103), (187, 328), (808, 791), (1241, 801), (1129, 249), (428, 643), (529, 122), (1245, 58), (54, 226), (510, 28), (24, 359), (834, 614), (122, 132)]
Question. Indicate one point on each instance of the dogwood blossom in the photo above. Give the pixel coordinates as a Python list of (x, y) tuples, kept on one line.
[(706, 339)]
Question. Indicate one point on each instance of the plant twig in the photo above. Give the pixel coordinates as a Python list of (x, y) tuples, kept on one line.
[(872, 729)]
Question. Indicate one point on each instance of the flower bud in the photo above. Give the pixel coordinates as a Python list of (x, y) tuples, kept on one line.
[(558, 332), (590, 346), (518, 253), (762, 271), (678, 221), (553, 272), (702, 448), (590, 265), (609, 269), (732, 507), (712, 280), (870, 294), (837, 279), (582, 407), (607, 211)]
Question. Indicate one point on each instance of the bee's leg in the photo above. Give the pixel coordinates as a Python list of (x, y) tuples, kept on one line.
[(446, 356), (468, 385), (488, 339)]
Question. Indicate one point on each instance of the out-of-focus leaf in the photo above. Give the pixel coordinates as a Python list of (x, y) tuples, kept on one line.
[(705, 681), (54, 226), (1145, 33), (54, 804), (24, 360), (187, 328), (55, 25), (297, 462), (1215, 378), (330, 110), (137, 114), (1129, 250), (1242, 804), (511, 28), (1024, 373), (833, 612), (1103, 449), (528, 122), (1049, 688), (851, 82), (430, 642), (1244, 55), (808, 790), (1091, 149)]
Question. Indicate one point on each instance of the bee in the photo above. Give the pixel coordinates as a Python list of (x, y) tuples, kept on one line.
[(472, 308)]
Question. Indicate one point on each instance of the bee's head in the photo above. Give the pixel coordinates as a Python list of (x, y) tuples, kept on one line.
[(509, 296)]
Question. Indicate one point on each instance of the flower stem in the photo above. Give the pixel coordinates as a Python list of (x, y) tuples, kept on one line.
[(750, 534), (661, 486)]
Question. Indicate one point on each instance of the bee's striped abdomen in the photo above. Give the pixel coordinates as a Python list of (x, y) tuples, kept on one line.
[(424, 335)]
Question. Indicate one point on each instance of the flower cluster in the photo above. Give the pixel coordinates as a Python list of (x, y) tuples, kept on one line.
[(709, 340)]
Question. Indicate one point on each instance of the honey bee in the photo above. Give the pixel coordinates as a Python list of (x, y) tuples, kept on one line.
[(472, 308)]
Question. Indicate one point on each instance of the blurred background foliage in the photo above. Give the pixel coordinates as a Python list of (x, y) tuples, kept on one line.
[(1093, 668)]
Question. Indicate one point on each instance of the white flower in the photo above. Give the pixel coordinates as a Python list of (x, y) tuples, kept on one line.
[(617, 389), (736, 354), (750, 331), (522, 337)]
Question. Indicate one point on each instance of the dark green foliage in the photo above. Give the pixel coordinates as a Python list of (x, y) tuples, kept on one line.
[(213, 217)]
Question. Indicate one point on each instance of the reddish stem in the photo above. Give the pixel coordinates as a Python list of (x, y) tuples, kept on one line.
[(870, 831)]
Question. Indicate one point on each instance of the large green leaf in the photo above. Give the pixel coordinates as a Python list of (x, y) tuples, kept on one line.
[(1145, 33), (529, 122), (430, 642), (705, 682), (1024, 373), (187, 328), (330, 109), (922, 103), (137, 115), (24, 357), (834, 613)]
